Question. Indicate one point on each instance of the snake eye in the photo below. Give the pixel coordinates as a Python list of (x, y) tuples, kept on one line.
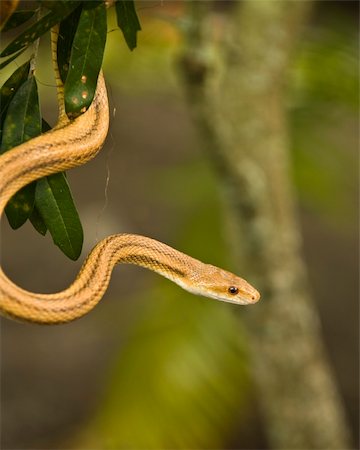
[(233, 290)]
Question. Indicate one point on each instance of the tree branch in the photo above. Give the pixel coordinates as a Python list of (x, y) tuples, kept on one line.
[(236, 81)]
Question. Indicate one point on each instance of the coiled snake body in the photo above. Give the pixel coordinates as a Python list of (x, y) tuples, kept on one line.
[(69, 144)]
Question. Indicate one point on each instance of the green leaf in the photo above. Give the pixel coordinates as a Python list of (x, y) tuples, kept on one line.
[(67, 32), (18, 18), (54, 209), (86, 59), (54, 202), (128, 21), (11, 59), (10, 87), (20, 206), (37, 221), (38, 29), (22, 122)]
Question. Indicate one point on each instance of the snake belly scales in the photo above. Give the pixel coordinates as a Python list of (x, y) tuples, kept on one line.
[(72, 143)]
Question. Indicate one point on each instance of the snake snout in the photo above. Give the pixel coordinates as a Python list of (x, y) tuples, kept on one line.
[(254, 295)]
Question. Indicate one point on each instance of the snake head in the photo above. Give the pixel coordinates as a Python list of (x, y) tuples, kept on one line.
[(222, 285)]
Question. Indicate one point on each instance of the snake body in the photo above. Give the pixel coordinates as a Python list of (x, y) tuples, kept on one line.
[(72, 143)]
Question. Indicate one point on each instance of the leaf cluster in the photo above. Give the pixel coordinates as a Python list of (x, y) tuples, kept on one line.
[(48, 202)]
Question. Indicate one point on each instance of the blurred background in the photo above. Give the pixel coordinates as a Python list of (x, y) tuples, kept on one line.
[(153, 366)]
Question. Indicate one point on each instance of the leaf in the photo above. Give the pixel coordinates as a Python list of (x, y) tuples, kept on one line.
[(20, 206), (11, 59), (54, 209), (17, 19), (86, 59), (54, 202), (37, 221), (128, 21), (10, 87), (38, 29), (22, 122), (67, 32)]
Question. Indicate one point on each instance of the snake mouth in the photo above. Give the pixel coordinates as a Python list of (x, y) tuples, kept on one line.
[(234, 301), (243, 298)]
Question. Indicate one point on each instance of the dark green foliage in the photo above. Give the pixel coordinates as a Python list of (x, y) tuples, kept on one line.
[(39, 28), (22, 123), (56, 207), (67, 30), (82, 35), (85, 59), (52, 207), (10, 87), (37, 221), (128, 21), (17, 19)]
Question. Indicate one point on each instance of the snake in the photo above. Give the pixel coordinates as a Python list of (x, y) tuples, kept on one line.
[(71, 143)]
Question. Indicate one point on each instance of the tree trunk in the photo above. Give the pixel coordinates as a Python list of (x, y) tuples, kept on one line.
[(235, 71)]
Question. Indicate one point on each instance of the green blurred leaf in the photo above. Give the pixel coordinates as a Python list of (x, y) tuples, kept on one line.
[(54, 202), (67, 32), (22, 122), (86, 58), (38, 29), (180, 382), (17, 19), (128, 21), (324, 119)]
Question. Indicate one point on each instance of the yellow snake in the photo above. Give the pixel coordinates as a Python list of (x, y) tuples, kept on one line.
[(69, 144)]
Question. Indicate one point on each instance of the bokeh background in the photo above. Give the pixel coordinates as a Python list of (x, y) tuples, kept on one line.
[(153, 366)]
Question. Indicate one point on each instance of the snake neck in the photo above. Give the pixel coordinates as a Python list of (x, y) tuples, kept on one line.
[(93, 279), (138, 250), (150, 254)]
